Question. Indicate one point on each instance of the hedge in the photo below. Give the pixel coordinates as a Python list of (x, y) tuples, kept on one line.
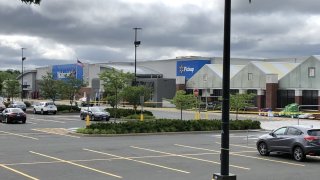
[(61, 107), (165, 125), (125, 112)]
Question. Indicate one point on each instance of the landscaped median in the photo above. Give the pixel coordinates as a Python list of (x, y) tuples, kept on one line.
[(165, 125)]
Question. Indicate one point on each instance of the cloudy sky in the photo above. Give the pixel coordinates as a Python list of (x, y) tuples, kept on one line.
[(60, 31)]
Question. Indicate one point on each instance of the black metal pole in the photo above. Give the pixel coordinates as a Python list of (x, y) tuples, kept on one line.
[(136, 44), (22, 59), (224, 157), (226, 90)]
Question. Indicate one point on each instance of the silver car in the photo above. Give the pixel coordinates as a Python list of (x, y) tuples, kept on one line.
[(298, 141)]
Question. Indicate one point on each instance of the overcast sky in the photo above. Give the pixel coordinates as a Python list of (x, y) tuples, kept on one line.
[(60, 31)]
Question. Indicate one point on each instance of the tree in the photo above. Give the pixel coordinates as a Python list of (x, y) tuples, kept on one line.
[(184, 101), (132, 95), (49, 87), (7, 75), (70, 87), (113, 82), (240, 101), (32, 1), (12, 88)]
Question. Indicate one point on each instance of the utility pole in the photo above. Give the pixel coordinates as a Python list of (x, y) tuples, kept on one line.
[(136, 44), (22, 59)]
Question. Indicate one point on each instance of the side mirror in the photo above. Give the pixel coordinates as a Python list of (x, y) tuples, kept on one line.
[(272, 134)]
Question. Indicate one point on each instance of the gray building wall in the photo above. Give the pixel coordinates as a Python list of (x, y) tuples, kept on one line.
[(241, 81), (205, 78), (298, 78)]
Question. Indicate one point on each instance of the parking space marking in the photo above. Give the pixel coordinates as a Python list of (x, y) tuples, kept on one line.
[(75, 164), (14, 134), (46, 120), (142, 162), (52, 131), (188, 157), (252, 157), (237, 145), (18, 172)]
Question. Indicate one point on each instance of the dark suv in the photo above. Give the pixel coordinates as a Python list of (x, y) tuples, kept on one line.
[(296, 140)]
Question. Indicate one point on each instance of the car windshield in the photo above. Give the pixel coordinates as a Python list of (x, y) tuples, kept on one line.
[(97, 109), (16, 110), (315, 132)]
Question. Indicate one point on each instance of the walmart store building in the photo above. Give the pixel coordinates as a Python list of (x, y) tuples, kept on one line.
[(277, 82)]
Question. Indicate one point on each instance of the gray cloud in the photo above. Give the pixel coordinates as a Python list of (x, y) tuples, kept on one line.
[(100, 31)]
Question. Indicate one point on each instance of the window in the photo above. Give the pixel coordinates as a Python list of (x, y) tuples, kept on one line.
[(280, 131), (311, 71), (250, 76), (294, 132)]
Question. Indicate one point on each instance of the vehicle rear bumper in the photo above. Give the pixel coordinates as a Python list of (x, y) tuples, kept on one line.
[(313, 151)]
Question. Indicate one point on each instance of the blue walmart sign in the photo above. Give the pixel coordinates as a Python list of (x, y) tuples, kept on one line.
[(61, 72), (189, 68)]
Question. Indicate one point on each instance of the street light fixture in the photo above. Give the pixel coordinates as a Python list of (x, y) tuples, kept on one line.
[(136, 44), (22, 59)]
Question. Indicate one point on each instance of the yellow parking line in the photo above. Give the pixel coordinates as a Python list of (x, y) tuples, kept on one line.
[(50, 132), (29, 137), (75, 164), (18, 172), (142, 162), (188, 157), (252, 157)]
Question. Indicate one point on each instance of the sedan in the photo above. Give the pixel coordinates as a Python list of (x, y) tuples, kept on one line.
[(11, 115), (95, 113), (18, 104), (298, 141)]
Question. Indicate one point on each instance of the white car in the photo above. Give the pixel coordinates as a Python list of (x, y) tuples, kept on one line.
[(44, 108)]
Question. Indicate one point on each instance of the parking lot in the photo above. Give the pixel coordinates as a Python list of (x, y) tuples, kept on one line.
[(43, 149)]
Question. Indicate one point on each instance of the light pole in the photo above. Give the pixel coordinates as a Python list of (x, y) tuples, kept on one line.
[(136, 44), (22, 59)]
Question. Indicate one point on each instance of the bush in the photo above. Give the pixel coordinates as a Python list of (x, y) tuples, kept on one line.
[(28, 104), (166, 125), (138, 116), (125, 112), (68, 108)]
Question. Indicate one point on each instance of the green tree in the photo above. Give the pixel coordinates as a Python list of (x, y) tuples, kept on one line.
[(49, 87), (12, 88), (240, 101), (31, 1), (113, 82), (132, 95), (7, 75), (184, 101), (70, 87)]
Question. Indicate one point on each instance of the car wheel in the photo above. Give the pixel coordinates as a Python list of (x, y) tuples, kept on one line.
[(108, 118), (298, 154), (6, 120), (82, 117), (54, 112), (42, 111), (23, 121), (92, 118), (34, 111), (263, 149)]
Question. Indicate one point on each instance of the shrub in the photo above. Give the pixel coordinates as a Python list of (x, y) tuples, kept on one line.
[(68, 108), (28, 104), (166, 125)]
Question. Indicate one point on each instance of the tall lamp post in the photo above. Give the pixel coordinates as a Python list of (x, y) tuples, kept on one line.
[(22, 59), (136, 44)]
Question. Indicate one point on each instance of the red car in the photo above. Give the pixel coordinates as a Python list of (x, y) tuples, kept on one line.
[(13, 115)]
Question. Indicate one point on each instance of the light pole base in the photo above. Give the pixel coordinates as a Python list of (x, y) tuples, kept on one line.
[(218, 176)]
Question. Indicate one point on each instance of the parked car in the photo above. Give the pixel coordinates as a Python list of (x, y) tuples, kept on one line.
[(18, 104), (2, 106), (298, 141), (44, 108), (95, 113), (11, 115)]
